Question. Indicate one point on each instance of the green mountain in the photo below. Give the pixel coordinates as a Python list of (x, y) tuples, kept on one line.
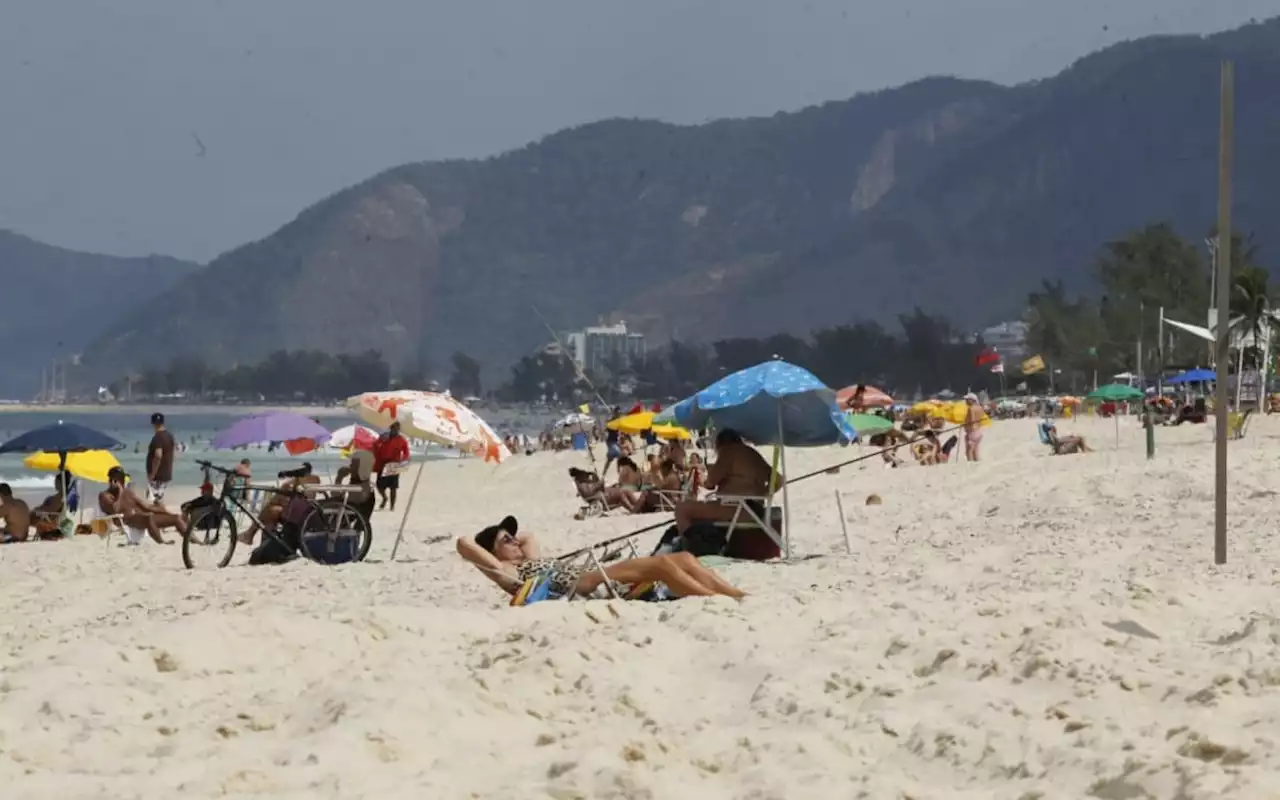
[(61, 300), (955, 195)]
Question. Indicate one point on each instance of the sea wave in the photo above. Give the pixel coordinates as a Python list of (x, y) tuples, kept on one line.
[(28, 482)]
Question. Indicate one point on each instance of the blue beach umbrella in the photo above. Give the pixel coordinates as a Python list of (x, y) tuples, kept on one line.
[(1194, 376), (60, 437), (770, 403), (773, 403)]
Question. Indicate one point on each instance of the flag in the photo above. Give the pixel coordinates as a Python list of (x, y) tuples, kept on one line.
[(584, 408), (1032, 365), (987, 356), (998, 367)]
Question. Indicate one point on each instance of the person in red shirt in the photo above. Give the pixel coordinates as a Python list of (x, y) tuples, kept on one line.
[(391, 448)]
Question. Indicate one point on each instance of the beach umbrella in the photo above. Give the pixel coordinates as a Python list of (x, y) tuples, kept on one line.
[(380, 409), (91, 465), (1116, 393), (353, 437), (62, 438), (441, 419), (671, 432), (276, 426), (771, 403), (641, 421), (871, 397), (868, 424), (1194, 376), (632, 424), (575, 420)]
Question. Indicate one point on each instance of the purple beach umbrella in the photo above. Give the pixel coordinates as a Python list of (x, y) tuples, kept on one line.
[(274, 427)]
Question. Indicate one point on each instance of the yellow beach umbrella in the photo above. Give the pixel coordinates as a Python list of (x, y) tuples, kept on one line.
[(924, 407), (91, 465), (632, 424), (955, 412), (671, 432)]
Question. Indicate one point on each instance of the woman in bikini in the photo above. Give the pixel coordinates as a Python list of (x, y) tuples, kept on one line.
[(510, 558)]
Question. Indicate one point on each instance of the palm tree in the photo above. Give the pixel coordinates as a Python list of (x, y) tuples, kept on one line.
[(1252, 319)]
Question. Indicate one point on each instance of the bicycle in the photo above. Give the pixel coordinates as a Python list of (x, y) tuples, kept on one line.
[(325, 530)]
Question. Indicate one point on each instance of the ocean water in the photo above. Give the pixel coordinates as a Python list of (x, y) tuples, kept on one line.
[(194, 430)]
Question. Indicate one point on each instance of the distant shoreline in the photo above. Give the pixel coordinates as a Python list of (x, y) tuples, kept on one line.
[(171, 410)]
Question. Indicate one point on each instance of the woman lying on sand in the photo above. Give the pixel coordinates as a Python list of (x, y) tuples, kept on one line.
[(509, 559)]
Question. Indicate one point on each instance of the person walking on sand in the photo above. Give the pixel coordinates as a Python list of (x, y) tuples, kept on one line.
[(159, 460), (973, 419), (390, 451)]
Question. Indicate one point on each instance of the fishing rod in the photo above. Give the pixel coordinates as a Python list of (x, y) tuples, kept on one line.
[(580, 375)]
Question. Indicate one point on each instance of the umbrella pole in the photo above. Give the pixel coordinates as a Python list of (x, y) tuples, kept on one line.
[(407, 508), (786, 493)]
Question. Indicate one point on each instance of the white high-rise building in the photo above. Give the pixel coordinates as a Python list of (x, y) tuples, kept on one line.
[(603, 346)]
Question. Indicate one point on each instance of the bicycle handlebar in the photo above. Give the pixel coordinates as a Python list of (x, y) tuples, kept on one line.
[(215, 467)]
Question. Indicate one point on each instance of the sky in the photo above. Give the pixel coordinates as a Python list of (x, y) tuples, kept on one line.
[(188, 127)]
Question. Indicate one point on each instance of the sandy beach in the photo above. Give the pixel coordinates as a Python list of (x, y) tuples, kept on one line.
[(1025, 627)]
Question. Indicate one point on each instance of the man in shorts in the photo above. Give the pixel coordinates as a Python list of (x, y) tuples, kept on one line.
[(159, 460), (391, 450)]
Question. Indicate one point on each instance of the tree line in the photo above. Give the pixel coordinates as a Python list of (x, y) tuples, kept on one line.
[(1081, 338), (928, 353), (1134, 278), (285, 375)]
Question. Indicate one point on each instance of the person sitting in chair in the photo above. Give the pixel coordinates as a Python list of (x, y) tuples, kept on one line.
[(275, 507), (119, 499), (359, 472), (1061, 445), (739, 471)]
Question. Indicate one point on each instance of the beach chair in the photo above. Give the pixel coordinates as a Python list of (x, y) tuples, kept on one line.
[(667, 499), (755, 532), (104, 524), (592, 558), (1238, 423)]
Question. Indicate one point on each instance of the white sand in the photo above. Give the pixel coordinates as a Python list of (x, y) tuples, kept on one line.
[(965, 650)]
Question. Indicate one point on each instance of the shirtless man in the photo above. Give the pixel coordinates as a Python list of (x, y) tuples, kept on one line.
[(274, 509), (973, 417), (136, 513), (16, 515), (739, 471)]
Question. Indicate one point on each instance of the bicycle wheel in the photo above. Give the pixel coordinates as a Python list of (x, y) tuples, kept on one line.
[(334, 534), (210, 538)]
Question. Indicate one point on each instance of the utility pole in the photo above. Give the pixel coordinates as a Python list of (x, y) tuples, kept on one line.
[(1226, 133)]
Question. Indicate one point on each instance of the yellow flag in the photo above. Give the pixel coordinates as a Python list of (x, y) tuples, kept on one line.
[(584, 408), (1032, 365)]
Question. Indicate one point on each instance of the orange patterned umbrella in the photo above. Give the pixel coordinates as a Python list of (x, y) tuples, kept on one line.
[(871, 397)]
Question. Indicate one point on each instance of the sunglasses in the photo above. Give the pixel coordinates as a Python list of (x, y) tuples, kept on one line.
[(506, 538)]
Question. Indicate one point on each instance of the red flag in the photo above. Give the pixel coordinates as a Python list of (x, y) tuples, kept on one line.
[(987, 356)]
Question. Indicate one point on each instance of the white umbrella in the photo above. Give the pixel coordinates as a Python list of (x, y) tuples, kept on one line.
[(432, 416)]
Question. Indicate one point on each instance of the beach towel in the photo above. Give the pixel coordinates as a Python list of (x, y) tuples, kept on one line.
[(534, 590)]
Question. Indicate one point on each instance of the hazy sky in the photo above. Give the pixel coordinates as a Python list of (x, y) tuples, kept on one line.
[(295, 99)]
